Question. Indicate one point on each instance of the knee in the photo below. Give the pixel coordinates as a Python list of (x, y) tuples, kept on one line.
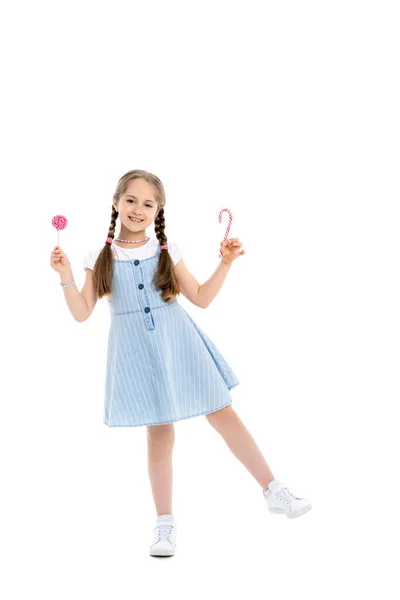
[(220, 416), (161, 435)]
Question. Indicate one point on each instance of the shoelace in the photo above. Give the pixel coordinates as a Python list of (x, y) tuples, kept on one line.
[(285, 495), (163, 531)]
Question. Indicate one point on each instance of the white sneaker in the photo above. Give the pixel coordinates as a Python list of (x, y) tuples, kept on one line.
[(281, 500), (164, 537)]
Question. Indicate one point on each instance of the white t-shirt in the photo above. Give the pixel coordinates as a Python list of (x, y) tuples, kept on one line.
[(145, 251)]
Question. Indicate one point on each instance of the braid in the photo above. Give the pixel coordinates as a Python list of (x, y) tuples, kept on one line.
[(104, 266), (165, 278), (159, 227), (114, 215)]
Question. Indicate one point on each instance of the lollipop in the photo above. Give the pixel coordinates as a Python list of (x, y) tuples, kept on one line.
[(59, 222), (221, 250)]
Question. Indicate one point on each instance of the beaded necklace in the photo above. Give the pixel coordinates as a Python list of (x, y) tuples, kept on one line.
[(130, 242)]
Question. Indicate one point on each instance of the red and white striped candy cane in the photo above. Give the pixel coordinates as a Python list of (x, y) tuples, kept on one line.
[(221, 250)]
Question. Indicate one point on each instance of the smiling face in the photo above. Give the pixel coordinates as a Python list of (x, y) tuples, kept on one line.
[(139, 202)]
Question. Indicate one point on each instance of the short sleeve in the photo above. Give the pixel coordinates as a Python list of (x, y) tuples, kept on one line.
[(90, 259), (175, 252)]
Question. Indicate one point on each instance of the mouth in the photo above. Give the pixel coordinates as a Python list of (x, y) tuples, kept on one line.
[(136, 220)]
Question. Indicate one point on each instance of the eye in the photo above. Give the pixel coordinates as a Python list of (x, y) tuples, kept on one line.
[(131, 200)]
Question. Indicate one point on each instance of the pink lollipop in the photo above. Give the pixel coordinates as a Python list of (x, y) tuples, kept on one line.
[(221, 250), (59, 222)]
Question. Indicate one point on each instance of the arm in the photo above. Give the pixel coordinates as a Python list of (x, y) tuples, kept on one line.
[(201, 295), (81, 304)]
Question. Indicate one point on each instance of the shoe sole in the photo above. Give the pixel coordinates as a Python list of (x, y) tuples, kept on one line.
[(162, 553), (297, 514)]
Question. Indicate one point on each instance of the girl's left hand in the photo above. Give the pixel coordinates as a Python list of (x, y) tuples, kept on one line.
[(231, 250)]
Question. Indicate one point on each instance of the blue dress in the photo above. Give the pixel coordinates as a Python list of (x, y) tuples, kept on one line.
[(161, 367)]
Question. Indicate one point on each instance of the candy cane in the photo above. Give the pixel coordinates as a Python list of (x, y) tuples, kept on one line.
[(59, 222), (221, 250)]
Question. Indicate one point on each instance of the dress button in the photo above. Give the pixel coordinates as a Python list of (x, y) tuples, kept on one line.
[(136, 262), (140, 286), (147, 309)]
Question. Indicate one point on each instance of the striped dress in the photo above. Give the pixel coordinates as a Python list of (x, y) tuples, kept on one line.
[(161, 367)]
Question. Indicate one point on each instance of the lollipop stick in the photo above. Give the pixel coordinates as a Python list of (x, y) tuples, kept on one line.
[(58, 237)]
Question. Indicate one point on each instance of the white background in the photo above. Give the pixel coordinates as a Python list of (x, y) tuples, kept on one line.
[(287, 113)]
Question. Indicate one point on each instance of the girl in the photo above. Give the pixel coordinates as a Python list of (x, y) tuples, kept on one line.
[(161, 367)]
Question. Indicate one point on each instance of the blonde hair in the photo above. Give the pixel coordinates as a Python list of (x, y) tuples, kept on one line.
[(165, 278)]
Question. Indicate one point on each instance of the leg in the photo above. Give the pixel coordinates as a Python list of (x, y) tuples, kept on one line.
[(160, 444), (241, 443)]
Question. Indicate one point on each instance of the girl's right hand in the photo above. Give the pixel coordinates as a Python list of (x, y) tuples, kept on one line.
[(59, 260)]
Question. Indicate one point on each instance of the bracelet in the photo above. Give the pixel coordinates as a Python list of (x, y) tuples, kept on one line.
[(64, 285)]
